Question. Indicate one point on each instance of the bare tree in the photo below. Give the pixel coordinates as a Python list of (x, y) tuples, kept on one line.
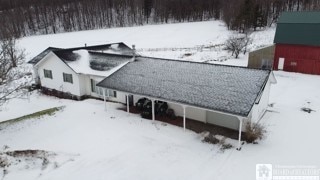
[(237, 44), (12, 81)]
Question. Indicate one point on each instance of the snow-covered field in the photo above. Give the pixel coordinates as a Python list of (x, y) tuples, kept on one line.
[(200, 41), (83, 141)]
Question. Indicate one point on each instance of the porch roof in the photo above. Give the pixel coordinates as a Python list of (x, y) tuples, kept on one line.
[(227, 89)]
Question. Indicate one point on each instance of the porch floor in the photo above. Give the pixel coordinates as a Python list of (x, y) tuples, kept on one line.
[(194, 125)]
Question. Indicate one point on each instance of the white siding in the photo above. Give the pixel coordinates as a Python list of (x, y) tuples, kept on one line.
[(86, 85), (191, 112), (224, 120), (136, 98), (53, 63), (83, 84), (121, 97)]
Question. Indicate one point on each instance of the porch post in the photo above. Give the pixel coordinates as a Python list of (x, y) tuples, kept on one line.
[(184, 118), (152, 104), (104, 99), (240, 129), (128, 103)]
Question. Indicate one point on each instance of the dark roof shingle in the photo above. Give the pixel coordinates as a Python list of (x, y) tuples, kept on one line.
[(40, 56), (227, 89)]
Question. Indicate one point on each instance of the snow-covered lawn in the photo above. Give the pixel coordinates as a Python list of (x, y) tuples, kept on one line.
[(99, 144), (111, 144)]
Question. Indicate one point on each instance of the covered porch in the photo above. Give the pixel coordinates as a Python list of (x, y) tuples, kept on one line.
[(191, 124), (196, 88), (184, 122)]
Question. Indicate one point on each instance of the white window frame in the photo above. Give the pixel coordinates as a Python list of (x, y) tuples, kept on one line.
[(99, 90), (47, 73), (67, 78), (93, 84), (112, 93)]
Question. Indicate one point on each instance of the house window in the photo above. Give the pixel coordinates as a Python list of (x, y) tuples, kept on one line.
[(93, 85), (47, 73), (67, 78), (112, 93), (99, 90), (108, 92)]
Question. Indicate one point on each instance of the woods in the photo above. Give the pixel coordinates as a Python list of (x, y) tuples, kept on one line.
[(29, 17)]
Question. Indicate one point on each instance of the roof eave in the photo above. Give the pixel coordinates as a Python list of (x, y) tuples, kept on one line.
[(175, 102), (271, 77)]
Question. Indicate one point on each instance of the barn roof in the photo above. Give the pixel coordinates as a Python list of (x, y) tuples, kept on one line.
[(300, 28), (222, 88)]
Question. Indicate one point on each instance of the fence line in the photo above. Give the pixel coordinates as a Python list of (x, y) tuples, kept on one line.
[(197, 48)]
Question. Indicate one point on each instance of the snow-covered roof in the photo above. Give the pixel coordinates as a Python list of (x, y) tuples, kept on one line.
[(67, 55), (100, 60), (222, 88), (40, 56), (99, 64)]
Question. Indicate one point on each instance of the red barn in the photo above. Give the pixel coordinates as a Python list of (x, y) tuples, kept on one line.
[(297, 42)]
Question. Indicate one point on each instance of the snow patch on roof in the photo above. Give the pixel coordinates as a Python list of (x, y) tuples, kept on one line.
[(82, 65), (115, 46)]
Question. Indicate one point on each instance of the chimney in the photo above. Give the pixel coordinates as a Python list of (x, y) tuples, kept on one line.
[(85, 44)]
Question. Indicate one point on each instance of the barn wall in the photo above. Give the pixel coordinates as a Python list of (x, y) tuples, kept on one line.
[(298, 58)]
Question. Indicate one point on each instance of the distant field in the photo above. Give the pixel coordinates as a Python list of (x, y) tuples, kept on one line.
[(167, 37)]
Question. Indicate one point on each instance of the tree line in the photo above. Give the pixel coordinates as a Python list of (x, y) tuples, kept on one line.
[(29, 17)]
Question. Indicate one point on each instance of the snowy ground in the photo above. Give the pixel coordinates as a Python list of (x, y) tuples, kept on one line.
[(199, 41), (86, 142), (115, 145)]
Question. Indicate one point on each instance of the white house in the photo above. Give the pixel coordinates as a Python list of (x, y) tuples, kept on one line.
[(76, 71), (226, 96)]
